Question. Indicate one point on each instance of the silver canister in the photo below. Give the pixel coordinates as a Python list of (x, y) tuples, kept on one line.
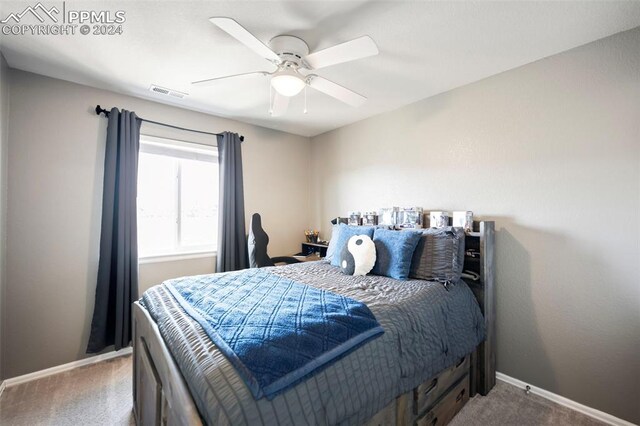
[(468, 222)]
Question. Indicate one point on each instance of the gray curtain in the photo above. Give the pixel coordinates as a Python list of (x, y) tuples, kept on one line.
[(232, 239), (117, 284)]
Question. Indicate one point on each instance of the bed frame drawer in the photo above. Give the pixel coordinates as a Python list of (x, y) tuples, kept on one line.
[(448, 406), (427, 393)]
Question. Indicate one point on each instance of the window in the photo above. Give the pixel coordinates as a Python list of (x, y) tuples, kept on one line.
[(177, 197)]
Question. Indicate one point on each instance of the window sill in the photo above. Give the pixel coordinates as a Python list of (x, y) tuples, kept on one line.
[(175, 257)]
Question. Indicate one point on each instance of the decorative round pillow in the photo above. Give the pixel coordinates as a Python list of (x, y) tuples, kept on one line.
[(358, 256)]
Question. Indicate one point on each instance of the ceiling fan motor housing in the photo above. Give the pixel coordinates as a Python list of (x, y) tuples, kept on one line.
[(289, 49)]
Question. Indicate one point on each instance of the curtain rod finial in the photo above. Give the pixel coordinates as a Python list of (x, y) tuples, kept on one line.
[(100, 110), (241, 138)]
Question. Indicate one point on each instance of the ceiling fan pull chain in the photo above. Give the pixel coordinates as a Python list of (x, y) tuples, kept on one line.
[(305, 99), (270, 102)]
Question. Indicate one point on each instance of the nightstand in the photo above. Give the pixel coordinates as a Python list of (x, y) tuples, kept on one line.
[(309, 248)]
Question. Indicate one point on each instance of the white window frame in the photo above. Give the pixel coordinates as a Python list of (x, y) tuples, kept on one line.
[(194, 150)]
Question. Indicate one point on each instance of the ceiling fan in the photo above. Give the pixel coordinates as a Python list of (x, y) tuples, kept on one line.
[(294, 64)]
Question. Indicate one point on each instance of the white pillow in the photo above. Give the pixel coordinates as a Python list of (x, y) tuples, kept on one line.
[(358, 256)]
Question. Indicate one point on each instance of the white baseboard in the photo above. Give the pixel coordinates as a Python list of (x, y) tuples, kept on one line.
[(576, 406), (61, 368)]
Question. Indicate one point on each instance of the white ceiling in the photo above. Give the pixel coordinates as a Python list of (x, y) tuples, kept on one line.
[(425, 48)]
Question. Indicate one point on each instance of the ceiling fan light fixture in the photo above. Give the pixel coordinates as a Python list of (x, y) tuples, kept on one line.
[(287, 83)]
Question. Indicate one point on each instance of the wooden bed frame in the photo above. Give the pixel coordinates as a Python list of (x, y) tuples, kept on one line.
[(161, 395)]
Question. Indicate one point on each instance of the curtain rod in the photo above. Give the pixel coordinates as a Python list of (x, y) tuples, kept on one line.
[(100, 110)]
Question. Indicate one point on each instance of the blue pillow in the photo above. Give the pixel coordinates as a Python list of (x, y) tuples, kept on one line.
[(335, 235), (344, 233), (394, 251)]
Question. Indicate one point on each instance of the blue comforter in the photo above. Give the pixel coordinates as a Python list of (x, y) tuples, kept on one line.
[(274, 330)]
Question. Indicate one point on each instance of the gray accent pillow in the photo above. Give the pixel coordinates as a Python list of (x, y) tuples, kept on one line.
[(439, 255)]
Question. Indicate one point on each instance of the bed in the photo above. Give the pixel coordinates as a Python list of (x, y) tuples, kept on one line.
[(436, 352)]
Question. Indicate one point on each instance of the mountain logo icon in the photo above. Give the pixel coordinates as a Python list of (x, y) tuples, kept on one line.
[(38, 11)]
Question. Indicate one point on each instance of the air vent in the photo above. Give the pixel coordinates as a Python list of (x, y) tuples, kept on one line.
[(167, 92)]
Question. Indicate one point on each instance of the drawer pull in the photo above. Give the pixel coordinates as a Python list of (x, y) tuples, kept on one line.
[(432, 386), (460, 362), (460, 395), (434, 422)]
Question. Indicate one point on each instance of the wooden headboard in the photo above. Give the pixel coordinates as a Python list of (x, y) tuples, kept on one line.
[(479, 258)]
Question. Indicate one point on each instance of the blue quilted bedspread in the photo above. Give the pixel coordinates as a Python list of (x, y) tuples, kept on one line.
[(274, 330)]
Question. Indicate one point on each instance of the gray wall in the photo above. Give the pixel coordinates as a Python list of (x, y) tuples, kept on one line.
[(4, 137), (56, 154), (551, 151)]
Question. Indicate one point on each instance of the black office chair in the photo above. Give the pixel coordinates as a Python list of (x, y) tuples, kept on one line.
[(257, 245)]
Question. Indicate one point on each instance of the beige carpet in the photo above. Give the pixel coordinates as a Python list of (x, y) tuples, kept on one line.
[(100, 394), (508, 405)]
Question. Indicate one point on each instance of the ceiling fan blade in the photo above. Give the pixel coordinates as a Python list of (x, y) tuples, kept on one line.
[(280, 105), (238, 32), (341, 93), (358, 48), (210, 81)]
